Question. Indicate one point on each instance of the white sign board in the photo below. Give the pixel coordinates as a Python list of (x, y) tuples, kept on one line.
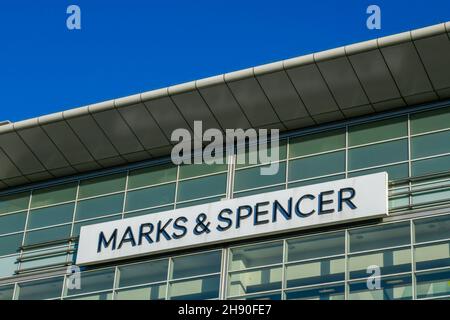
[(318, 205)]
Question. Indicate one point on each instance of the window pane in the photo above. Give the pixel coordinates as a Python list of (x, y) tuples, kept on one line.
[(14, 202), (54, 195), (141, 273), (429, 166), (432, 256), (198, 202), (378, 154), (252, 177), (41, 289), (150, 197), (315, 143), (433, 228), (331, 292), (47, 235), (152, 292), (244, 159), (7, 266), (258, 191), (102, 185), (389, 262), (315, 181), (48, 216), (316, 246), (98, 207), (315, 272), (391, 288), (194, 170), (320, 165), (395, 172), (77, 226), (12, 222), (202, 187), (430, 144), (433, 284), (6, 292), (245, 282), (195, 289), (430, 120), (96, 296), (93, 281), (193, 265), (256, 255), (264, 296), (438, 193), (10, 244), (153, 175), (388, 235), (148, 211), (377, 131)]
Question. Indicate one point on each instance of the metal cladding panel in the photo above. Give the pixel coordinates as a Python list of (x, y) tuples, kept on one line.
[(8, 169), (144, 126), (328, 117), (253, 101), (43, 148), (67, 142), (193, 108), (435, 54), (312, 88), (224, 106), (358, 111), (117, 131), (409, 73), (39, 176), (282, 95), (343, 83), (20, 154), (92, 137), (374, 75), (16, 181)]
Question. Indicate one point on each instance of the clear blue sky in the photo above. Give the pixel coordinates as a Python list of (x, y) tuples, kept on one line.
[(126, 47)]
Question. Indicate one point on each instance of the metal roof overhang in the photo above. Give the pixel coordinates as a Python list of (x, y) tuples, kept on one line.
[(363, 78)]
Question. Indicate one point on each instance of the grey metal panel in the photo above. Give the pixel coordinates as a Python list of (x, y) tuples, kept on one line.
[(87, 166), (117, 131), (282, 95), (162, 151), (389, 104), (328, 117), (61, 172), (224, 106), (39, 176), (16, 181), (313, 89), (408, 71), (435, 54), (43, 148), (358, 111), (7, 168), (299, 123), (143, 125), (374, 75), (92, 137), (111, 162), (137, 156), (421, 98), (3, 185), (67, 142), (343, 83), (20, 154), (253, 100)]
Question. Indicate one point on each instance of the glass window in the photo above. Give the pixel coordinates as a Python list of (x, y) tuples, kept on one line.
[(7, 266), (434, 228), (150, 197), (47, 235), (92, 281), (142, 273), (152, 175), (150, 292), (430, 120), (102, 185), (382, 236), (378, 154), (430, 166), (377, 131), (77, 226), (252, 177), (389, 262), (254, 280), (10, 244), (320, 165), (40, 289), (256, 255), (198, 202), (194, 170), (97, 296), (315, 143), (48, 216), (251, 157), (98, 207), (53, 195), (193, 265), (395, 172), (14, 202), (432, 256), (263, 296), (148, 211), (6, 292), (316, 246), (433, 284), (436, 194), (315, 272), (258, 191), (330, 292), (391, 288), (315, 181), (195, 289), (12, 222), (202, 187), (430, 144)]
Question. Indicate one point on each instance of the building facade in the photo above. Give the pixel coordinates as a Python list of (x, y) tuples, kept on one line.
[(378, 106)]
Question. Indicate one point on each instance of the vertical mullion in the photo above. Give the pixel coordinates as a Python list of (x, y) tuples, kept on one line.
[(223, 276), (177, 182), (413, 264), (125, 192), (346, 274), (409, 162), (25, 230), (346, 151), (169, 276)]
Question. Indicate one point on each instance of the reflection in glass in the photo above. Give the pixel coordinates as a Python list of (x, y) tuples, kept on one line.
[(256, 255), (255, 280), (197, 264), (195, 289), (329, 292), (382, 236), (391, 288)]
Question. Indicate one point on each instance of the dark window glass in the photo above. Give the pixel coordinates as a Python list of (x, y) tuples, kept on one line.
[(48, 216), (320, 165), (98, 207), (150, 197)]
